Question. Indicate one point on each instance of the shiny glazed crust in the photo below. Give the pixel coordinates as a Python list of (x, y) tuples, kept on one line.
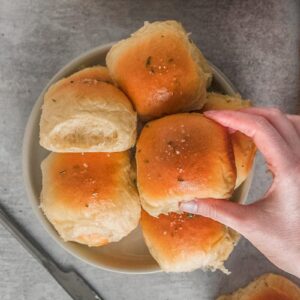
[(160, 69), (90, 198), (185, 242), (182, 157)]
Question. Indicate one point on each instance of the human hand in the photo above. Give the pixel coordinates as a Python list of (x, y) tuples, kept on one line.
[(271, 224)]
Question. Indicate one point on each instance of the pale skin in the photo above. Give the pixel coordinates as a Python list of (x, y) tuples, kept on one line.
[(271, 224)]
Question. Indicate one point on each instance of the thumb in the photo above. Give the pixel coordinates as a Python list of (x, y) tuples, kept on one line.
[(231, 214)]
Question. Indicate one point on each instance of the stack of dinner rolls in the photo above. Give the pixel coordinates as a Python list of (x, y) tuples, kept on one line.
[(95, 193), (88, 190)]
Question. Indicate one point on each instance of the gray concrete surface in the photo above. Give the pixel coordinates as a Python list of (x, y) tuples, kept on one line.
[(254, 42)]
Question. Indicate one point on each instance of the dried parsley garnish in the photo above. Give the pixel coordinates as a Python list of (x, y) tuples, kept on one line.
[(148, 61)]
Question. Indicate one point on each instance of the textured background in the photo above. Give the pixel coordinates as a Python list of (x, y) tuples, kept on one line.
[(255, 43)]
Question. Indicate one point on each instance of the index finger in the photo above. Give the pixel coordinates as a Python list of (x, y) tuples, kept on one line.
[(295, 119), (270, 143)]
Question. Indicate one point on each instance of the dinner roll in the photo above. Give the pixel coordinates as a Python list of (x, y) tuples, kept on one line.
[(266, 287), (244, 152), (86, 113), (243, 147), (90, 198), (217, 101), (160, 69), (185, 242), (99, 73), (182, 157)]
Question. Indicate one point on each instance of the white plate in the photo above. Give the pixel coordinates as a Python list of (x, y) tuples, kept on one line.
[(130, 255)]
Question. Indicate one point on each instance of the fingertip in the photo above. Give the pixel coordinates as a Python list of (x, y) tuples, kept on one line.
[(218, 112), (210, 112), (221, 210), (230, 130), (220, 116)]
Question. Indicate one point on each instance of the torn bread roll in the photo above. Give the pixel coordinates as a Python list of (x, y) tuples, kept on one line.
[(85, 112), (182, 157), (90, 198), (160, 69), (243, 147)]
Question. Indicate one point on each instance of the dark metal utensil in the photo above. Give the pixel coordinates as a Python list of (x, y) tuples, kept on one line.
[(71, 281)]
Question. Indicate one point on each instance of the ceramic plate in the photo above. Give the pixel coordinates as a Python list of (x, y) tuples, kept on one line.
[(130, 255)]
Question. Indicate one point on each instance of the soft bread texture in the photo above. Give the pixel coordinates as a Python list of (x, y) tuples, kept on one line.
[(99, 73), (244, 152), (185, 242), (90, 198), (182, 157), (160, 69), (217, 101), (243, 147), (266, 287), (87, 113)]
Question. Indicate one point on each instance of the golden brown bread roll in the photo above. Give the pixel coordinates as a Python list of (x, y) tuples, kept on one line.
[(244, 152), (185, 242), (86, 113), (243, 147), (217, 101), (160, 69), (90, 198), (182, 157), (266, 287), (96, 72)]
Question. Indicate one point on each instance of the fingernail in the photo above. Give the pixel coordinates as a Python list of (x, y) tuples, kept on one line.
[(209, 112), (230, 130), (190, 207)]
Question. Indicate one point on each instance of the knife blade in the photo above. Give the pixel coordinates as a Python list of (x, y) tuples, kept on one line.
[(72, 282)]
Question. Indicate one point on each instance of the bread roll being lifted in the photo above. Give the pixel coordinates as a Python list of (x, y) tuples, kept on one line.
[(182, 157), (90, 198), (85, 112), (160, 69)]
